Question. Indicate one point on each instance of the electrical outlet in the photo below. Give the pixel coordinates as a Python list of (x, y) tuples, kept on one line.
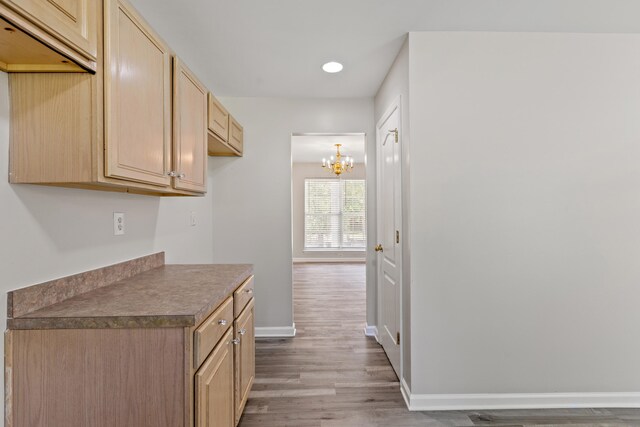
[(118, 223), (193, 221)]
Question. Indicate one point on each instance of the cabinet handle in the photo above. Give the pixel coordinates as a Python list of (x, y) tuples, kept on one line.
[(236, 341), (248, 291), (181, 175), (242, 331), (222, 322), (172, 174)]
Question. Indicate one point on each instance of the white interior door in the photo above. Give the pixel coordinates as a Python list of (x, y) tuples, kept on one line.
[(389, 232)]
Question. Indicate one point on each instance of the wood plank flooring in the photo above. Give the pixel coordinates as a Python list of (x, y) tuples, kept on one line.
[(331, 375)]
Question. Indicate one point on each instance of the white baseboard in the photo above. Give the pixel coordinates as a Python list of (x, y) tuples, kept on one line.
[(406, 393), (328, 260), (276, 332), (480, 401), (371, 331)]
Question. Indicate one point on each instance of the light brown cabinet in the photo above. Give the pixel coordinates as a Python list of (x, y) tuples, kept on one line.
[(190, 130), (137, 83), (154, 375), (236, 134), (218, 119), (113, 130), (218, 403), (53, 35), (245, 363), (214, 383), (225, 133)]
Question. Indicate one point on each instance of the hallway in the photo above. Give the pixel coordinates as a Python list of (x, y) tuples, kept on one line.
[(331, 375)]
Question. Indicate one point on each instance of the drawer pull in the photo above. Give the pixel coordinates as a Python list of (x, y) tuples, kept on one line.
[(222, 322), (248, 291), (236, 341), (242, 331)]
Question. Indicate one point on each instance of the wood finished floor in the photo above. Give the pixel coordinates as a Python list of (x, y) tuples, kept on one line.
[(331, 375)]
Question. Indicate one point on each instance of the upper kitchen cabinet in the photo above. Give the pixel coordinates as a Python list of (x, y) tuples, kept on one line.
[(189, 130), (218, 119), (223, 136), (137, 83), (52, 35), (113, 130), (236, 134)]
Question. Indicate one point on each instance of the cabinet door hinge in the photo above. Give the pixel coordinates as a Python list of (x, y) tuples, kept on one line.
[(397, 236), (398, 338)]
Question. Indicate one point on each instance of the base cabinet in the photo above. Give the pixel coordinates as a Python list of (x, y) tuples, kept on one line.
[(223, 381), (143, 377), (245, 359), (214, 393)]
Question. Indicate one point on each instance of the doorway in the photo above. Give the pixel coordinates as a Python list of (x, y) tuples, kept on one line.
[(329, 220), (329, 214)]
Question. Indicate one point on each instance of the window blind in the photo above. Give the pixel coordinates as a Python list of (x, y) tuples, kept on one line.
[(335, 214)]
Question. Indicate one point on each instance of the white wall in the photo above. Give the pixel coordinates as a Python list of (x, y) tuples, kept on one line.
[(301, 171), (252, 219), (525, 207), (49, 232), (396, 84)]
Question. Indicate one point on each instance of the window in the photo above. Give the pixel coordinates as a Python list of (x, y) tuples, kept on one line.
[(334, 214)]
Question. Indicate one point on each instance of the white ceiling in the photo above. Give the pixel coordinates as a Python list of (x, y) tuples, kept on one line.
[(277, 47), (313, 148)]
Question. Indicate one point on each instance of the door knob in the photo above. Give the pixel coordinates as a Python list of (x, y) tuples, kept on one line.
[(378, 248)]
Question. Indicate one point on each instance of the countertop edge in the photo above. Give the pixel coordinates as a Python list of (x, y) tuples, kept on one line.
[(104, 322)]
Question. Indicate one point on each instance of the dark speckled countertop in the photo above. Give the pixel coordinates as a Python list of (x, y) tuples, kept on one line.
[(165, 296)]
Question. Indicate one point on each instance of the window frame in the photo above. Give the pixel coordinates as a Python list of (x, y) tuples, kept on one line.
[(340, 216)]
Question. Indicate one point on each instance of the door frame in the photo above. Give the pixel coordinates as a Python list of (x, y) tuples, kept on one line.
[(396, 104), (367, 165)]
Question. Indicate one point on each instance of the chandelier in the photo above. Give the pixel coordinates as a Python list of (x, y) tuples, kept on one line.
[(337, 164)]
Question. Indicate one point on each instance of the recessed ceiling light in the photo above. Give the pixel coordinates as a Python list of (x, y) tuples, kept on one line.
[(332, 67)]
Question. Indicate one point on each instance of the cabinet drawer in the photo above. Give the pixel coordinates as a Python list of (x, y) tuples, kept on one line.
[(236, 134), (207, 335), (242, 295)]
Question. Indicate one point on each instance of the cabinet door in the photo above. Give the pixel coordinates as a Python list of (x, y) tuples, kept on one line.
[(74, 22), (214, 387), (245, 357), (236, 134), (189, 130), (218, 118), (137, 98)]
